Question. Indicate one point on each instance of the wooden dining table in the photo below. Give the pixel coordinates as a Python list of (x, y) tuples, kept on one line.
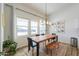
[(42, 38)]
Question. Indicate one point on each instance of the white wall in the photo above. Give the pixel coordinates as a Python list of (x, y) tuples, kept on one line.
[(71, 17), (1, 26), (8, 22)]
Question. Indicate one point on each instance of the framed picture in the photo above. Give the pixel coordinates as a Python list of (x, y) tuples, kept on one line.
[(59, 26)]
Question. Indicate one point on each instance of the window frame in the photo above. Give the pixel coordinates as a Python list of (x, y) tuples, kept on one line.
[(31, 27), (27, 26), (40, 26)]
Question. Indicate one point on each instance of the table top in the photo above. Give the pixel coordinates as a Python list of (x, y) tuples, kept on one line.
[(42, 38)]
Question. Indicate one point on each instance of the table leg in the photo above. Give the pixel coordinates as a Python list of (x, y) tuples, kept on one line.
[(37, 49)]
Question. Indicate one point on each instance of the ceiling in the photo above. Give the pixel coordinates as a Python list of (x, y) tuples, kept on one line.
[(47, 8)]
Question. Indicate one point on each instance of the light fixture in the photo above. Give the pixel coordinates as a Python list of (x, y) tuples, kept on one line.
[(48, 23), (46, 13), (46, 16)]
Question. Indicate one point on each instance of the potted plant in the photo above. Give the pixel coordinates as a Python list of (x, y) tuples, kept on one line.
[(1, 53), (9, 47)]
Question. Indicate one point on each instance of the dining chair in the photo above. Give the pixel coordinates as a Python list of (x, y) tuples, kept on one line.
[(53, 33), (45, 41), (51, 40), (31, 44), (54, 38), (43, 34), (74, 43), (52, 47)]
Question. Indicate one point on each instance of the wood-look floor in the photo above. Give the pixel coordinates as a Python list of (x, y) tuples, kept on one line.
[(63, 50)]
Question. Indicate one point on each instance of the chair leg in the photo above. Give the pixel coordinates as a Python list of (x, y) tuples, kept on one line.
[(51, 52), (56, 52), (28, 48), (43, 44), (77, 51), (47, 50), (32, 51), (51, 40), (48, 40), (46, 43)]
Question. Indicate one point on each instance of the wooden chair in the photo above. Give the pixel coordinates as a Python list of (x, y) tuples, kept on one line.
[(55, 39), (31, 44), (52, 47)]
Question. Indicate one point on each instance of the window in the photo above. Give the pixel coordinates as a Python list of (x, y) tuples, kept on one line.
[(42, 27), (34, 26), (22, 26)]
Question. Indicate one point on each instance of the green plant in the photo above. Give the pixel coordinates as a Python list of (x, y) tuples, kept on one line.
[(9, 47), (1, 53)]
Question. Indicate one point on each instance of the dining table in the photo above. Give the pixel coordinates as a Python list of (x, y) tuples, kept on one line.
[(42, 38)]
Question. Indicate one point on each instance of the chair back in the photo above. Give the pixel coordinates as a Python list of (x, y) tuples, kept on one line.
[(37, 34), (53, 34), (43, 34), (30, 41)]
